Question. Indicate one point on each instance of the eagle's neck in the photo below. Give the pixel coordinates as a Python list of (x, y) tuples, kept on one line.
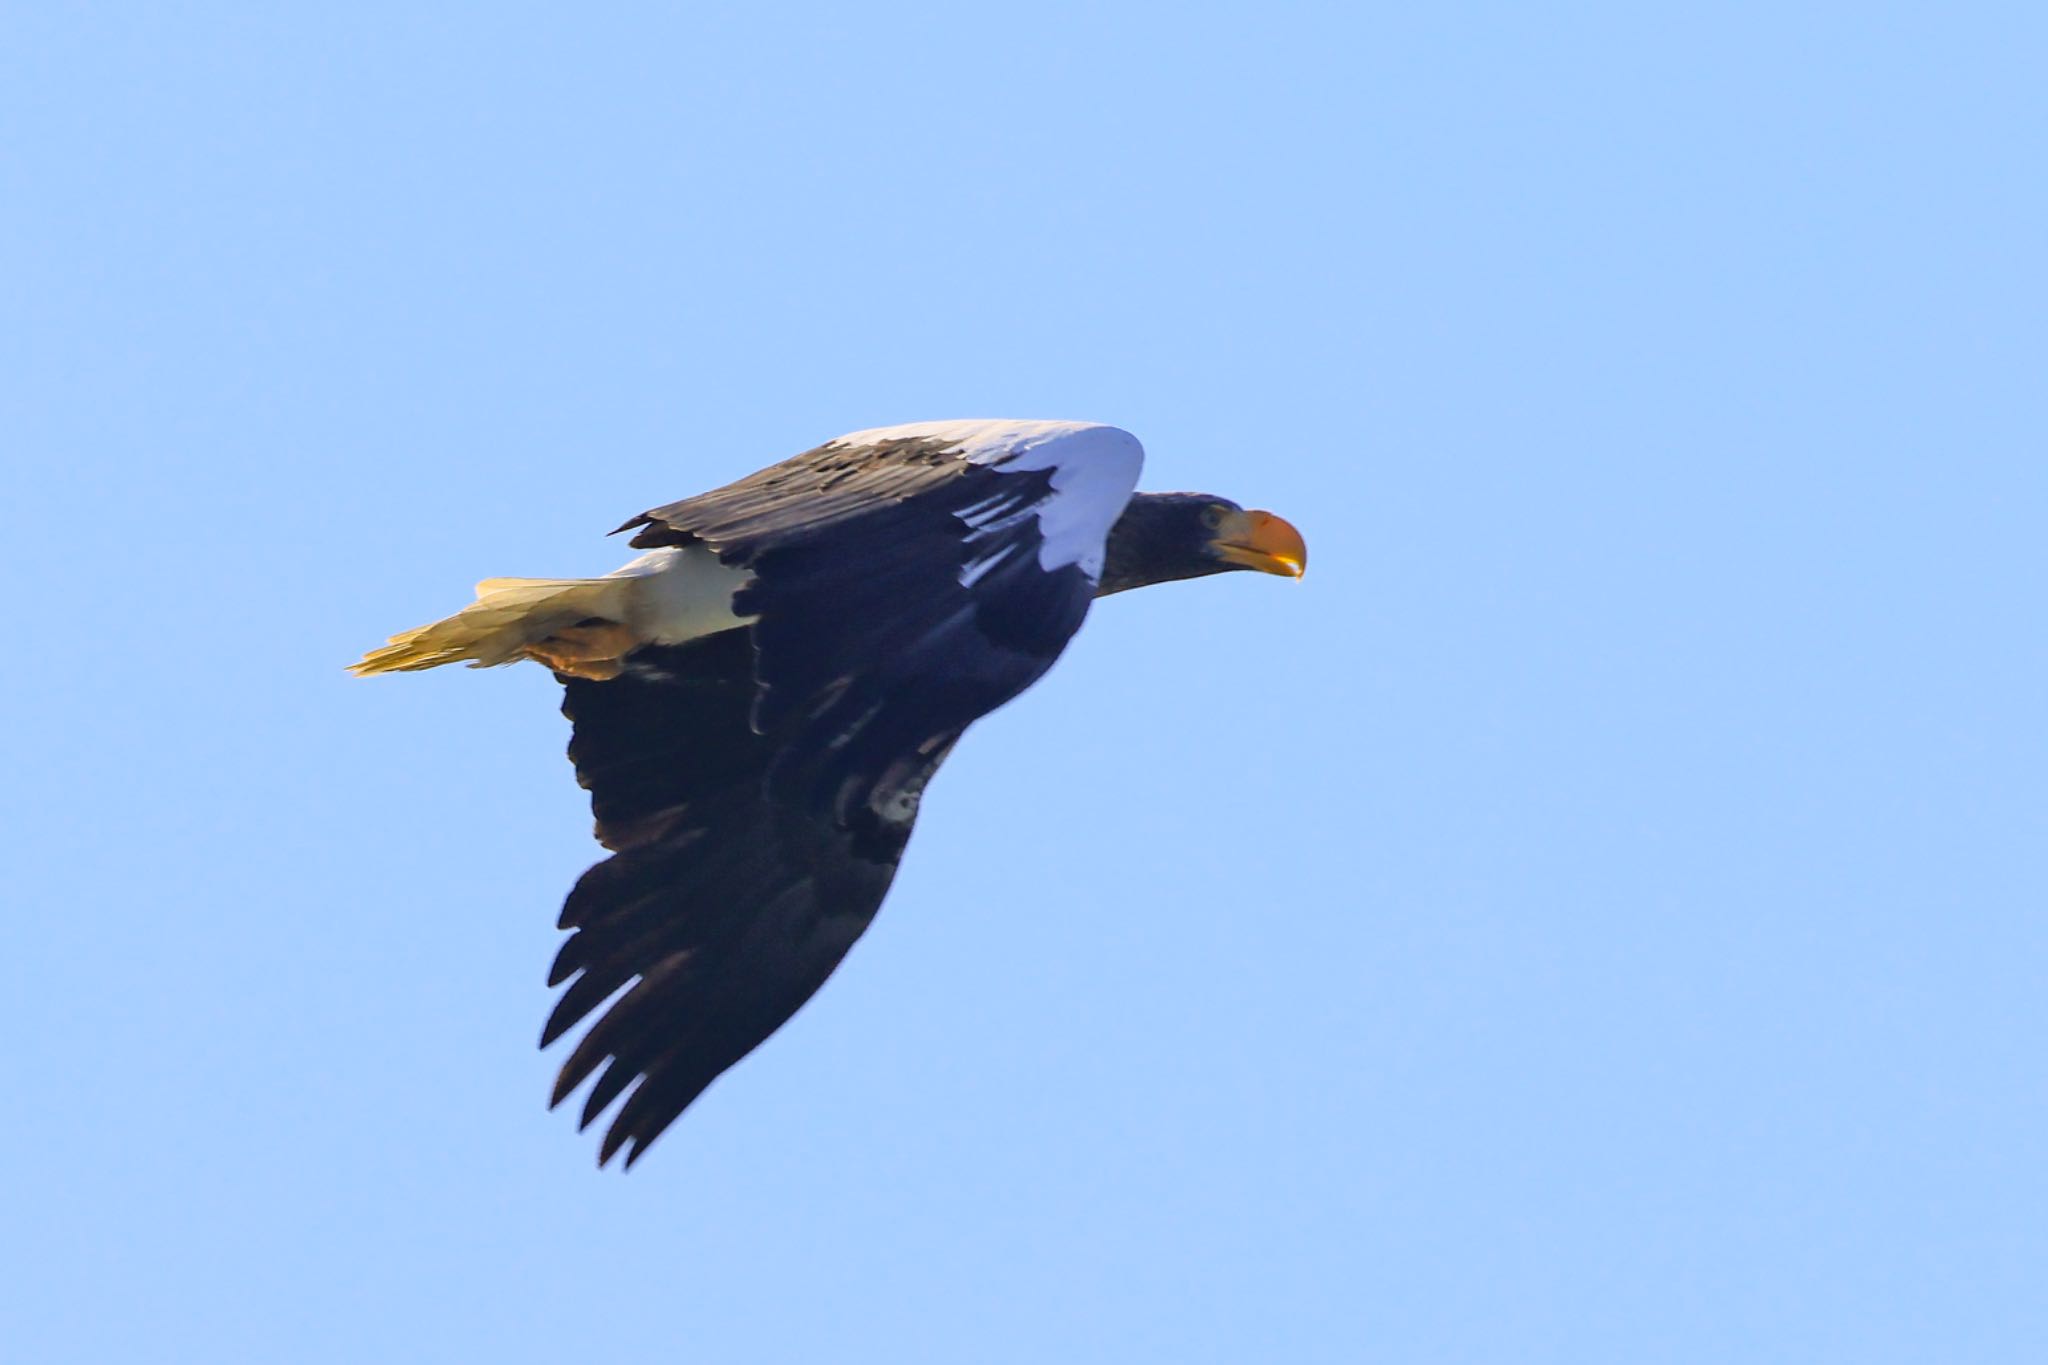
[(1151, 543)]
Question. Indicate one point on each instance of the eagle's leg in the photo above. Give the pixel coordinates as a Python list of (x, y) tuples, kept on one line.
[(593, 649)]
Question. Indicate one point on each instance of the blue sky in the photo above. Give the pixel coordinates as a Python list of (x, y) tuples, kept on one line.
[(1598, 915)]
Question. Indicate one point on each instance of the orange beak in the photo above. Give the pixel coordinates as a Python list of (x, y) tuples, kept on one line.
[(1262, 541)]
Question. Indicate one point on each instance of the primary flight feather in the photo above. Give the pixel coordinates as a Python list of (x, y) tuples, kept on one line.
[(759, 700)]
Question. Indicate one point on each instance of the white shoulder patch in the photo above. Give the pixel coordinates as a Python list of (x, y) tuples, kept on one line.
[(1095, 471)]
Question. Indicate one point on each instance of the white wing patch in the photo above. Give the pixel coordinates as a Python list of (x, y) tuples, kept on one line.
[(1095, 471)]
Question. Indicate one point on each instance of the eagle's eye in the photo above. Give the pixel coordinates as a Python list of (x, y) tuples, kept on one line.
[(1212, 516)]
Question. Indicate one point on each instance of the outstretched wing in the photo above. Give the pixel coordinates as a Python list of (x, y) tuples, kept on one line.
[(721, 911), (758, 785)]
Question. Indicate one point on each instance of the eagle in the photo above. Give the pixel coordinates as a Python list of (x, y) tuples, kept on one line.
[(759, 699)]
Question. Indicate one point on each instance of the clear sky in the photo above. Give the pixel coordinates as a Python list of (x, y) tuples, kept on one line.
[(1598, 915)]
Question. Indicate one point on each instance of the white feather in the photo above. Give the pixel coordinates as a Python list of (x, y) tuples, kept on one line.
[(1095, 471), (664, 597), (680, 593)]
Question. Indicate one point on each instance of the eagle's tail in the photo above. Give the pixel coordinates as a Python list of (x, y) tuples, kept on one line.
[(570, 624)]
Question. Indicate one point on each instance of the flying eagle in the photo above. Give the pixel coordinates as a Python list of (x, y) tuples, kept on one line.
[(759, 700)]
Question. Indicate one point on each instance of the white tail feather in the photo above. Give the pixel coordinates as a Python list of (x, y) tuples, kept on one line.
[(509, 615)]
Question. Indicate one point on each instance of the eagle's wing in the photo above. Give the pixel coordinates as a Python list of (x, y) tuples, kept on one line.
[(758, 785)]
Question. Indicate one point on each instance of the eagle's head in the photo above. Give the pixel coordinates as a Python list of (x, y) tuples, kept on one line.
[(1164, 536)]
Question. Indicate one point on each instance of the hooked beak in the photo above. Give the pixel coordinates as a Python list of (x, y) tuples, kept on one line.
[(1262, 541)]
